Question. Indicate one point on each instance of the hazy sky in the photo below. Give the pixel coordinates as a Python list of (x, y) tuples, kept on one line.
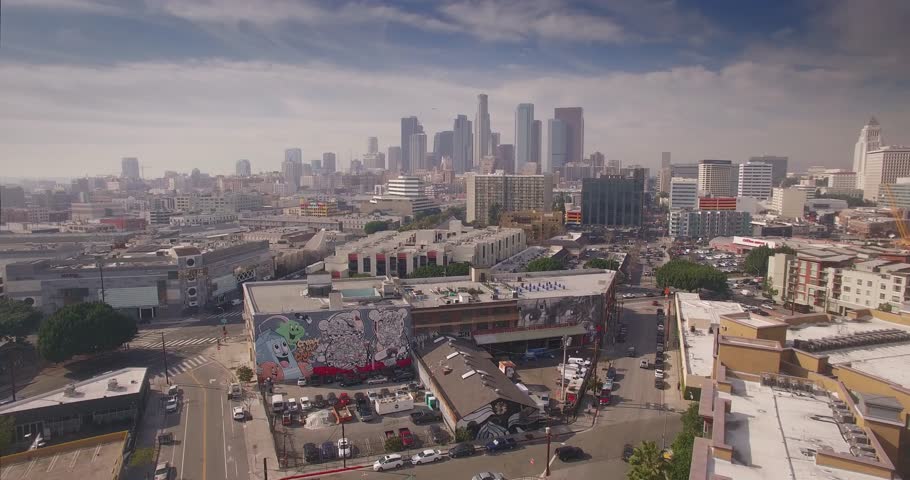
[(182, 83)]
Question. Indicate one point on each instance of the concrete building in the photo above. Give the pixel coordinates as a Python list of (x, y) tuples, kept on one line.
[(884, 166), (404, 196), (505, 158), (409, 126), (462, 145), (201, 219), (418, 155), (708, 224), (801, 281), (89, 212), (870, 139), (539, 226), (788, 202), (870, 284), (393, 159), (400, 253), (536, 142), (718, 203), (557, 144), (684, 170), (683, 193), (482, 140), (242, 168), (715, 177), (443, 146), (896, 195), (129, 168), (524, 119), (510, 192), (230, 202), (574, 119), (613, 200), (755, 180), (292, 168), (778, 164), (328, 162)]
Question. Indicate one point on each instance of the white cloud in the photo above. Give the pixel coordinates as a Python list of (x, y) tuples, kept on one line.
[(79, 6), (77, 120)]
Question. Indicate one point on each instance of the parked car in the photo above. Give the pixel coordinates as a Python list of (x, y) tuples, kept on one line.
[(768, 306), (569, 452), (163, 471), (173, 390), (644, 363), (239, 414), (627, 451), (301, 382), (328, 451), (611, 373), (414, 387), (332, 399), (436, 434), (378, 380), (365, 413), (171, 405), (319, 401), (407, 438), (500, 445), (388, 462), (306, 404), (343, 399), (403, 375), (425, 415), (426, 456), (350, 380), (310, 452), (488, 476), (462, 450), (761, 312), (316, 380), (345, 448), (360, 397), (292, 405)]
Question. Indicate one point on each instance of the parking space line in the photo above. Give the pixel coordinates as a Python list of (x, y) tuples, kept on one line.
[(30, 467), (75, 456), (97, 452), (50, 466)]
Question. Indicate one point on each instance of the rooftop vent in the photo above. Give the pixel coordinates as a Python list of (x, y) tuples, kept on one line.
[(446, 370), (112, 385), (70, 390), (451, 355), (468, 374)]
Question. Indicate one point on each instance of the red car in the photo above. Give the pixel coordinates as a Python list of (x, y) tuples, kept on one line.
[(655, 303), (343, 399), (407, 439)]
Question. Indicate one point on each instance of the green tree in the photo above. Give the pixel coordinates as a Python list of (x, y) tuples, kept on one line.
[(647, 463), (767, 289), (789, 182), (682, 445), (432, 271), (142, 456), (393, 444), (852, 202), (690, 276), (17, 320), (756, 262), (375, 226), (7, 430), (602, 263), (458, 269), (885, 307), (494, 214), (245, 373), (84, 328), (462, 435), (545, 264)]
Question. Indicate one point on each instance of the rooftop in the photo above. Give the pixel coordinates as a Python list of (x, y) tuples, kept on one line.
[(126, 381), (85, 460), (703, 315), (754, 320), (294, 295), (775, 434)]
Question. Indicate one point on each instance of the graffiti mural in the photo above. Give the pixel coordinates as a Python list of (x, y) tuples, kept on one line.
[(540, 312), (291, 346), (501, 418)]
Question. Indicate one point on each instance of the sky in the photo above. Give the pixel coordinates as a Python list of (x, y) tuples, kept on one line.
[(184, 83)]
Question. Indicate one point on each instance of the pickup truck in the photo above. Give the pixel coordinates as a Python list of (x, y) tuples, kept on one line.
[(407, 438)]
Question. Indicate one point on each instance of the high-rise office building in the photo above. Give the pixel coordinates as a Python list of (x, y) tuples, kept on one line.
[(409, 126), (665, 160), (418, 154), (683, 193), (481, 130), (536, 139), (12, 196), (575, 131), (778, 164), (557, 143), (665, 173), (328, 162), (715, 177), (524, 118), (734, 179), (293, 155), (242, 168), (129, 168), (613, 200), (495, 140), (505, 158), (788, 202), (394, 159), (372, 145), (883, 167), (870, 139), (507, 193), (684, 170), (755, 180), (292, 170), (374, 160), (443, 145), (613, 167), (462, 145)]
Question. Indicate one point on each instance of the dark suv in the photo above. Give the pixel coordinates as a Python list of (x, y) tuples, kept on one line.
[(425, 416), (310, 453)]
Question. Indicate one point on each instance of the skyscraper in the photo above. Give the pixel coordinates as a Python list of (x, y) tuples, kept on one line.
[(394, 159), (242, 168), (294, 155), (665, 160), (418, 153), (409, 126), (778, 164), (443, 145), (495, 139), (129, 168), (536, 139), (715, 177), (664, 174), (372, 145), (613, 200), (575, 131), (557, 142), (481, 130), (462, 145), (328, 162), (870, 138), (292, 168), (524, 119), (755, 180), (505, 157)]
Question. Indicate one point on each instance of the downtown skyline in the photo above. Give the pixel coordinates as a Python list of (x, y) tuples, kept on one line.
[(796, 80)]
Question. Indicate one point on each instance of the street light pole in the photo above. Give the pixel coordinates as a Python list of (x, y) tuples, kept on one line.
[(344, 457), (167, 378), (549, 437), (101, 271)]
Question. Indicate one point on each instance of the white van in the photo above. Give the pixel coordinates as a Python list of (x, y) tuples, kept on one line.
[(523, 388), (580, 361), (278, 403)]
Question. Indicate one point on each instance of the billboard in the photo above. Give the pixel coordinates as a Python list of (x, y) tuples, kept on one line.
[(294, 345), (555, 311)]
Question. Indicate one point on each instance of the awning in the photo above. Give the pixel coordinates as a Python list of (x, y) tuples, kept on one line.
[(519, 335)]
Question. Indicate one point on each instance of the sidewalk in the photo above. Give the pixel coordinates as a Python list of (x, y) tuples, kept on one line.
[(147, 433)]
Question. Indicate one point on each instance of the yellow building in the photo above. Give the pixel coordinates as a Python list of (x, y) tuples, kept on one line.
[(538, 226)]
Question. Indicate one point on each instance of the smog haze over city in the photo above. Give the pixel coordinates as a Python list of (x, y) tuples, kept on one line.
[(183, 84)]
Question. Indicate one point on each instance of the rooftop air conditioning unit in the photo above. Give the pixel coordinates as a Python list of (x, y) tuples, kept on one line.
[(70, 390)]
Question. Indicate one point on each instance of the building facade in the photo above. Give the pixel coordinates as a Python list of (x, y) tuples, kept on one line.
[(778, 167), (870, 139), (509, 192), (755, 180), (788, 202), (883, 167), (683, 193), (613, 200), (557, 144), (708, 224), (524, 120), (715, 177), (242, 168), (574, 119), (482, 134), (129, 168)]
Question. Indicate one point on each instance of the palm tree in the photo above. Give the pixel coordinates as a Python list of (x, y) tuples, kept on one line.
[(647, 463)]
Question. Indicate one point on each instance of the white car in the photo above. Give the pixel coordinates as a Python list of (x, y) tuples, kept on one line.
[(658, 373), (768, 306), (239, 414), (301, 382), (345, 449), (388, 462), (426, 456), (293, 406), (305, 404), (171, 405), (163, 471)]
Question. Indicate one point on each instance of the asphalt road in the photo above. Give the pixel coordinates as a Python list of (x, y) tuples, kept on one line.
[(210, 443)]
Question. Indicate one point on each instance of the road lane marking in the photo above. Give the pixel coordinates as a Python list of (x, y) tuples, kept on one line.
[(224, 438), (30, 467), (205, 397), (184, 442)]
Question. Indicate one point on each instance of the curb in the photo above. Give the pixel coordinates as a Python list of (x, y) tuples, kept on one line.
[(324, 472)]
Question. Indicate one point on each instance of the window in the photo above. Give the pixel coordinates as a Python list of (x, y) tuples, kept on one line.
[(846, 289), (882, 286), (898, 280), (881, 296), (895, 299), (859, 282), (869, 283), (897, 288)]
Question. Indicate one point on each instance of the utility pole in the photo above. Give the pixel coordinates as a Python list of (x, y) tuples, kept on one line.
[(265, 467), (594, 364), (549, 437), (101, 272), (565, 343), (344, 457), (167, 378)]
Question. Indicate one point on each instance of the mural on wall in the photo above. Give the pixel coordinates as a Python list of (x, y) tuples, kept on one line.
[(292, 346), (537, 312), (500, 418)]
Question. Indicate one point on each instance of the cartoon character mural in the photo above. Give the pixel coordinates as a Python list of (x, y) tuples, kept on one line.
[(500, 418), (329, 342), (561, 311)]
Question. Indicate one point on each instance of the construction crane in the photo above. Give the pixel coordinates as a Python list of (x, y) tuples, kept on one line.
[(898, 215)]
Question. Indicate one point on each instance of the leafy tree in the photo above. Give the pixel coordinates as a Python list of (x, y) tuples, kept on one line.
[(768, 291), (462, 435), (756, 262), (393, 444), (545, 264), (494, 214), (142, 456), (375, 226), (431, 219), (245, 373), (885, 307), (683, 443), (602, 263), (17, 320), (433, 271), (7, 430), (84, 328), (458, 269), (647, 463), (690, 276)]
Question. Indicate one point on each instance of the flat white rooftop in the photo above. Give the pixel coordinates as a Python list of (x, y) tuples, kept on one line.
[(128, 381), (773, 434), (293, 295), (755, 320), (838, 327), (701, 314), (570, 283)]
